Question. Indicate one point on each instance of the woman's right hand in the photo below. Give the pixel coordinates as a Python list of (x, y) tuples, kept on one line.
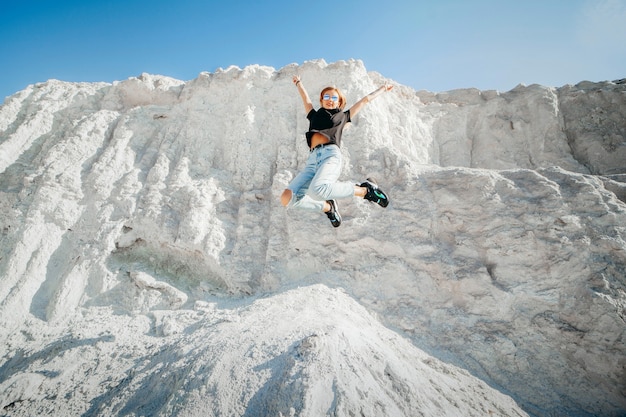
[(308, 106)]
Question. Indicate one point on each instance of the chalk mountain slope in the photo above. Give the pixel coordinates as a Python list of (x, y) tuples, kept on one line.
[(147, 267)]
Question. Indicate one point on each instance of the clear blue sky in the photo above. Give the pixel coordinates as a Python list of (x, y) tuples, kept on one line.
[(436, 45)]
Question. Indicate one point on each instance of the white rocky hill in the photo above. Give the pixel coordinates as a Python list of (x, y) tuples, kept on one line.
[(147, 267)]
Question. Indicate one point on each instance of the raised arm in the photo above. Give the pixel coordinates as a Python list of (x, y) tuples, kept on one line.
[(308, 106), (371, 96)]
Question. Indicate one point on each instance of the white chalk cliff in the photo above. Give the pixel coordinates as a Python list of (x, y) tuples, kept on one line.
[(147, 267)]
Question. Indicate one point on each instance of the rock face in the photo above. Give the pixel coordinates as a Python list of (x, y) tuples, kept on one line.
[(147, 267)]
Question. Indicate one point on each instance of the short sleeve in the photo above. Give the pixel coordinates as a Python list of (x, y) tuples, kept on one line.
[(311, 114), (347, 112)]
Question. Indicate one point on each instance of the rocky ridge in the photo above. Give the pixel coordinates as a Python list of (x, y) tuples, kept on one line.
[(147, 267)]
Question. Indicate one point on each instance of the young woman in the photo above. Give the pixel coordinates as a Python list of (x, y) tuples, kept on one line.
[(316, 187)]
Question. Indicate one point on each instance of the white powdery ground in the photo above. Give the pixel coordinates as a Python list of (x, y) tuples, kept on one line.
[(309, 351), (148, 268)]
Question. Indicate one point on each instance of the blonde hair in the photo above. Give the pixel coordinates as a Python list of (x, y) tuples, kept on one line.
[(342, 98)]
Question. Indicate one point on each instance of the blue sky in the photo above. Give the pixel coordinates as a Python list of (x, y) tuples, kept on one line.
[(435, 45)]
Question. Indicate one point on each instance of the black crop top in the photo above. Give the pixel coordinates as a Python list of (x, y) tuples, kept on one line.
[(329, 123)]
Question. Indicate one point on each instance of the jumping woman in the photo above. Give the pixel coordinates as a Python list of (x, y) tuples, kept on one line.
[(316, 187)]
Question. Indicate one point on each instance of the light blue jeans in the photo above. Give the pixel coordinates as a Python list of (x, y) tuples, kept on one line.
[(317, 182)]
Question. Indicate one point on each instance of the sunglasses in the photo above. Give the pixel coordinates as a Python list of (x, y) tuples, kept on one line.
[(329, 97)]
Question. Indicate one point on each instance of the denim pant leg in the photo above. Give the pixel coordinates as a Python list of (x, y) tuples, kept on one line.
[(324, 185), (299, 187), (317, 182)]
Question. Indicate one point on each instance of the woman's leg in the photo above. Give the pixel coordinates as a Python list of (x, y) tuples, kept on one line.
[(312, 188), (287, 196), (296, 193), (324, 185)]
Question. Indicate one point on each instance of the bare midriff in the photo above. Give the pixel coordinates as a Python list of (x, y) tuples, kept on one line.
[(318, 139)]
